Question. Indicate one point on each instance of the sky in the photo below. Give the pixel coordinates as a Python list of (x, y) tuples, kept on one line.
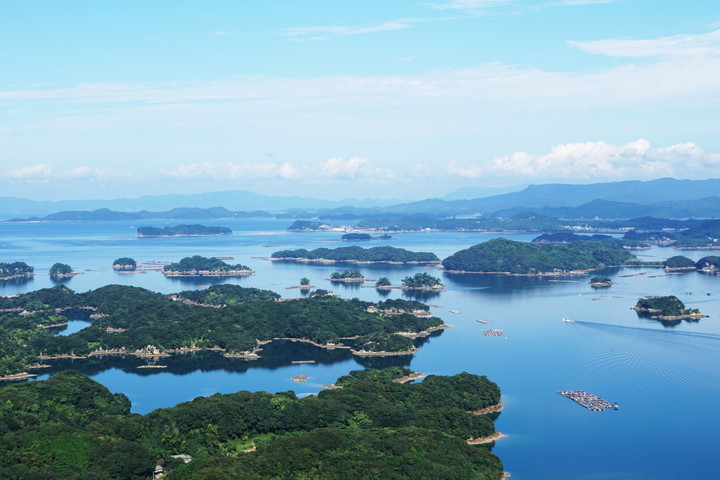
[(353, 98)]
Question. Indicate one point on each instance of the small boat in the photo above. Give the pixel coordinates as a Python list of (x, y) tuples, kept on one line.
[(483, 321), (454, 311), (566, 320)]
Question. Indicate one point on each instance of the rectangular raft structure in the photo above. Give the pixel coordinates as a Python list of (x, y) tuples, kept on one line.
[(588, 400)]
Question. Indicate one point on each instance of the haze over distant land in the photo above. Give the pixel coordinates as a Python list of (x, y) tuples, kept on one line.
[(404, 100)]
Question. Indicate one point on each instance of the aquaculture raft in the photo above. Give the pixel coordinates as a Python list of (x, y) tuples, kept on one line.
[(493, 333), (588, 400)]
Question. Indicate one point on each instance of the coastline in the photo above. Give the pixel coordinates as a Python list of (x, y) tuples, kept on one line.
[(326, 261), (208, 273), (484, 440)]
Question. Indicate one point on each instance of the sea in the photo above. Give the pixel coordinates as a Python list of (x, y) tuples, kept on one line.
[(664, 377)]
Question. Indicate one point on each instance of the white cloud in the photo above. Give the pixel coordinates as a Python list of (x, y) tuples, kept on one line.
[(685, 45), (44, 172), (234, 171), (572, 3), (39, 172), (354, 168), (468, 4), (597, 161), (323, 32)]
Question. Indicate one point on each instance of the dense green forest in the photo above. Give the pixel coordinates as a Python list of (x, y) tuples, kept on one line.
[(125, 263), (308, 226), (60, 269), (197, 265), (668, 306), (421, 280), (182, 230), (502, 255), (526, 221), (356, 236), (347, 275), (69, 427), (136, 321), (702, 235), (358, 254), (15, 269), (678, 262), (227, 295), (711, 263)]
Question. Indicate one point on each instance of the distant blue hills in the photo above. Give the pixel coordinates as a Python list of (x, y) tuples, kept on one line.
[(665, 198)]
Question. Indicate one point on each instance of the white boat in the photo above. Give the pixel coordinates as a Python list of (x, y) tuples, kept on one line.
[(566, 320)]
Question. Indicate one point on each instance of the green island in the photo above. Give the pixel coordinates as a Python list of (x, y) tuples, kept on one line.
[(356, 255), (125, 264), (183, 231), (502, 256), (666, 308), (709, 264), (525, 221), (224, 295), (353, 237), (70, 427), (600, 282), (309, 226), (383, 282), (135, 321), (198, 265), (702, 236), (421, 281), (347, 276), (10, 271), (61, 270), (679, 262)]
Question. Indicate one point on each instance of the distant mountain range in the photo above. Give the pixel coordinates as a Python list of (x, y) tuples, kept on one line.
[(236, 200), (666, 198)]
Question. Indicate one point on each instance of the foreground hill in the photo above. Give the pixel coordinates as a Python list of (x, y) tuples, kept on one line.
[(71, 428)]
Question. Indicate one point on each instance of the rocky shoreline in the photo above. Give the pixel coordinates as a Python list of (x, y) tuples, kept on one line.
[(326, 261), (208, 273)]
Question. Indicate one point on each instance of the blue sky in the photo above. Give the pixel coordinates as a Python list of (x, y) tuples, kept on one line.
[(331, 99)]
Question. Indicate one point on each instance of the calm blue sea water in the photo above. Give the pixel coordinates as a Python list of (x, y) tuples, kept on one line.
[(666, 379)]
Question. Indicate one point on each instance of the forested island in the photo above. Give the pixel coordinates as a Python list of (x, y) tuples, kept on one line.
[(705, 235), (70, 427), (709, 264), (354, 237), (356, 255), (125, 264), (679, 262), (61, 270), (422, 281), (309, 226), (134, 321), (600, 282), (11, 271), (347, 276), (520, 258), (183, 231), (198, 265), (525, 221), (666, 308)]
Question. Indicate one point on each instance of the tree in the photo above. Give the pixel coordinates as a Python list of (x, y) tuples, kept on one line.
[(304, 281), (383, 282)]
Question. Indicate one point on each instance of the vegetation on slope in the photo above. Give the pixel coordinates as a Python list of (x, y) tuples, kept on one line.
[(71, 428), (508, 256)]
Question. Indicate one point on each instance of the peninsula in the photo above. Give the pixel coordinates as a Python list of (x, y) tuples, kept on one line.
[(502, 256), (356, 255), (134, 321), (11, 271), (183, 231), (368, 428), (199, 266)]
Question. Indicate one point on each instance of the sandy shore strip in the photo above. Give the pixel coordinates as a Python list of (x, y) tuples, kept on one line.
[(498, 407), (485, 440)]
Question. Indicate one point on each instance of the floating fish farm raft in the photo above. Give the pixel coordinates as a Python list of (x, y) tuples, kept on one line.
[(588, 400)]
